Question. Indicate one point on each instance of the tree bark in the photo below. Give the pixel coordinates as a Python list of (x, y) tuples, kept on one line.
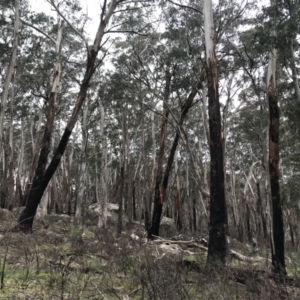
[(178, 215), (158, 196), (102, 222), (218, 245), (278, 259), (123, 158), (82, 167), (47, 136), (148, 196), (160, 192)]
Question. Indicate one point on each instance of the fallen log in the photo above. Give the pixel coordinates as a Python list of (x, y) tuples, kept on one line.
[(193, 243)]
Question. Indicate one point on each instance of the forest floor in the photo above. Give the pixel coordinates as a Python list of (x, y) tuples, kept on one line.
[(77, 262)]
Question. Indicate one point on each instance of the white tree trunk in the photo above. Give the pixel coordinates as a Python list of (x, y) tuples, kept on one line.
[(103, 200), (42, 208), (82, 168), (10, 70), (209, 32), (10, 197), (294, 72), (178, 216), (21, 162)]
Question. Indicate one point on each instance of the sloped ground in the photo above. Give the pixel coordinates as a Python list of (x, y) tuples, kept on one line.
[(68, 262)]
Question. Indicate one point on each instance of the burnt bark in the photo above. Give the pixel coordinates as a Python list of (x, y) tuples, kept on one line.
[(218, 245), (278, 259), (160, 192), (42, 179)]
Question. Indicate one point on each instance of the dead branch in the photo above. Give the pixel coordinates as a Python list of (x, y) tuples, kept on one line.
[(197, 244)]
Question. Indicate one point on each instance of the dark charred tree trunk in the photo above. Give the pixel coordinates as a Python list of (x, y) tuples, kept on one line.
[(4, 187), (120, 213), (41, 178), (160, 192), (278, 259), (218, 245), (41, 181), (158, 196)]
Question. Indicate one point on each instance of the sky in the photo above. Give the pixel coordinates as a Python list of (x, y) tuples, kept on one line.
[(91, 7)]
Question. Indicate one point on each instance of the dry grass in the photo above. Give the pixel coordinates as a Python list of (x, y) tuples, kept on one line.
[(86, 263)]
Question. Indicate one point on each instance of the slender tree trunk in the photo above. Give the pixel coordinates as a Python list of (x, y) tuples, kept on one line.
[(194, 215), (120, 214), (39, 185), (35, 146), (218, 245), (158, 195), (10, 196), (262, 215), (187, 203), (82, 167), (129, 193), (123, 157), (104, 173), (147, 204), (162, 190), (4, 184), (178, 215), (236, 218), (42, 209), (294, 73), (22, 199)]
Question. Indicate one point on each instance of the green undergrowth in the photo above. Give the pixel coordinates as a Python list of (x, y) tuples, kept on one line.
[(68, 262)]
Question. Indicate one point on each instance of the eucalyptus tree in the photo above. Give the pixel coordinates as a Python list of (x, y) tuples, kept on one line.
[(4, 98), (278, 239), (40, 184), (262, 128), (169, 77), (218, 245)]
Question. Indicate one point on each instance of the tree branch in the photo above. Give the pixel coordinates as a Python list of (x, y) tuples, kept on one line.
[(39, 30), (67, 21), (126, 31), (186, 6)]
